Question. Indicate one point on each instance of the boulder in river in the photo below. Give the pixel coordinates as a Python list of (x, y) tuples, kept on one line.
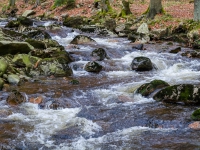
[(16, 98), (28, 13), (141, 64), (13, 79), (93, 67), (82, 39), (98, 54), (182, 93), (148, 88), (25, 21), (54, 66)]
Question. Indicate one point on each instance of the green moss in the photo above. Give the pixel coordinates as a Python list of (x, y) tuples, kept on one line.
[(196, 115)]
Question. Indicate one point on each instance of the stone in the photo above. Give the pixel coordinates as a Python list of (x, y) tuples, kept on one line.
[(56, 67), (28, 13), (14, 47), (73, 22), (13, 79), (16, 98), (25, 21), (82, 39), (138, 46), (182, 93), (3, 66), (25, 60), (12, 24), (175, 50), (148, 88), (98, 54), (1, 83), (93, 67), (196, 115), (143, 28), (141, 64)]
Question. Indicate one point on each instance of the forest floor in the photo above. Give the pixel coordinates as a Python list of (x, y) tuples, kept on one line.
[(176, 10)]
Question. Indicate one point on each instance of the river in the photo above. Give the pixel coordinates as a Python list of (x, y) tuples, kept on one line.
[(102, 112)]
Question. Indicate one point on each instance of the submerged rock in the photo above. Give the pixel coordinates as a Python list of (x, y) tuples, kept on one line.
[(148, 88), (98, 54), (175, 50), (82, 39), (141, 64), (93, 67), (16, 98), (183, 93)]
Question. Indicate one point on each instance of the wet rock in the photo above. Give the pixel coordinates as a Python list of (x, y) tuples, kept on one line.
[(16, 98), (36, 100), (195, 125), (8, 47), (196, 115), (148, 88), (25, 60), (73, 22), (175, 50), (28, 13), (183, 93), (13, 79), (138, 46), (93, 67), (98, 54), (3, 66), (141, 64), (39, 35), (25, 21), (56, 67), (12, 24), (82, 39)]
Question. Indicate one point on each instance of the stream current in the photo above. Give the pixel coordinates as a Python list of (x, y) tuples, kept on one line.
[(102, 112)]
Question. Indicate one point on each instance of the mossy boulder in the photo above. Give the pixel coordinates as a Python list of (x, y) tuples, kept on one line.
[(39, 35), (82, 39), (56, 67), (73, 22), (14, 47), (28, 13), (25, 60), (3, 66), (16, 98), (148, 88), (183, 93), (196, 115), (93, 67), (98, 54), (12, 24), (25, 21), (141, 64), (36, 43)]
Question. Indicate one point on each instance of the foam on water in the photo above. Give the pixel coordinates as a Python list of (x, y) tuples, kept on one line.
[(124, 135), (46, 122)]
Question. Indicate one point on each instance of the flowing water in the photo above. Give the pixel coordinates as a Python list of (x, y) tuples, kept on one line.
[(102, 112)]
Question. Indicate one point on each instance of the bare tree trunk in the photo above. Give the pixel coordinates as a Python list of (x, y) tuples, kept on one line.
[(155, 7), (196, 10), (12, 2)]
